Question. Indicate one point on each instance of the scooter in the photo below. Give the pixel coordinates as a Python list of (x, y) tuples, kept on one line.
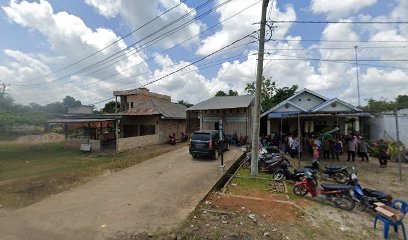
[(297, 175), (172, 140), (339, 194), (266, 162), (338, 174), (367, 197)]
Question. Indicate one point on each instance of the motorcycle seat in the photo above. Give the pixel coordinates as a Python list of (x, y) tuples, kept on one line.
[(336, 187), (375, 193), (302, 170), (335, 168)]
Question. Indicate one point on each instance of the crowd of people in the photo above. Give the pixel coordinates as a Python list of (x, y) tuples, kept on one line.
[(331, 147)]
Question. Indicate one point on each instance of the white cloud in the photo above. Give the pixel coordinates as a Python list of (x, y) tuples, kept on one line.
[(68, 36), (137, 13), (339, 9), (243, 24)]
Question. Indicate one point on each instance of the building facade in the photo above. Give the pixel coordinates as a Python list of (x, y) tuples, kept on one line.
[(235, 112)]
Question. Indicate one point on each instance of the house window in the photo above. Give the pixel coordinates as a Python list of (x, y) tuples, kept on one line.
[(147, 130), (131, 104), (244, 110), (334, 105), (308, 99), (286, 105), (299, 99)]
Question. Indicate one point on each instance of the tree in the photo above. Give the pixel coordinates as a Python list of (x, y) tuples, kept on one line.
[(69, 101), (110, 107), (230, 93), (401, 101), (271, 95), (185, 103), (220, 93)]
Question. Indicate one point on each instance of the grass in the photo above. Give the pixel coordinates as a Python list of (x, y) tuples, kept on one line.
[(29, 173)]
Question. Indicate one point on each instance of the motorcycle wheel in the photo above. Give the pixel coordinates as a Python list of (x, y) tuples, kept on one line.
[(278, 176), (300, 190), (246, 164), (340, 178), (344, 202)]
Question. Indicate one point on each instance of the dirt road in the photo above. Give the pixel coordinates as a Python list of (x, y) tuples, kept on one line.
[(158, 193)]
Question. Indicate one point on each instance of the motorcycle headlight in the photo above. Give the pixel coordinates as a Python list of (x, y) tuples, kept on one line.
[(354, 177)]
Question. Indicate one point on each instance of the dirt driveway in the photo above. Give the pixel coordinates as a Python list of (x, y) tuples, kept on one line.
[(159, 193)]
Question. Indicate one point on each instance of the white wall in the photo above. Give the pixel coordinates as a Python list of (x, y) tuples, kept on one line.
[(386, 123), (307, 100), (339, 108)]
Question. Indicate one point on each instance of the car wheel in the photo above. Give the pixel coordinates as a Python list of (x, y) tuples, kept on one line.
[(194, 155), (215, 154)]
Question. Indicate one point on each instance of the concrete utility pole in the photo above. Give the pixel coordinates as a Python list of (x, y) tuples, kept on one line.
[(398, 141), (257, 112), (358, 82)]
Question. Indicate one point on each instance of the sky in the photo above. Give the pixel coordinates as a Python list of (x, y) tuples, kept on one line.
[(192, 49)]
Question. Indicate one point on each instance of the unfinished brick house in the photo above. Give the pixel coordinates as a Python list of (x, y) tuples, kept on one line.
[(147, 118)]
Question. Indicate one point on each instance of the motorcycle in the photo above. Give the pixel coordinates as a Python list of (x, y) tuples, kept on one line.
[(339, 194), (367, 197), (266, 162), (172, 140), (297, 175), (338, 174)]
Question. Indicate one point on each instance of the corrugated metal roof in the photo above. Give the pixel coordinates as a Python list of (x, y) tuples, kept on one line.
[(166, 109), (224, 102)]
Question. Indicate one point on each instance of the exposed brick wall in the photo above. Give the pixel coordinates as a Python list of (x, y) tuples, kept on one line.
[(168, 127), (124, 144)]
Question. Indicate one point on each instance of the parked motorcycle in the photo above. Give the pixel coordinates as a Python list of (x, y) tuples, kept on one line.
[(339, 194), (298, 174), (367, 197), (172, 140), (338, 174), (266, 162)]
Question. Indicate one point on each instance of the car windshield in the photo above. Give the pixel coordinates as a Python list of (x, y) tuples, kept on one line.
[(201, 136)]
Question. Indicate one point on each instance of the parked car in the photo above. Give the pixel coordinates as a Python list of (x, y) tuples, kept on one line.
[(207, 143)]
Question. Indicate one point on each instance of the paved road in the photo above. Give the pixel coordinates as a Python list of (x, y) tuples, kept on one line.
[(157, 193)]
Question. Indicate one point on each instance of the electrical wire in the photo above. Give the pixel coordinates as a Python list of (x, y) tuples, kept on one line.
[(113, 56), (182, 68)]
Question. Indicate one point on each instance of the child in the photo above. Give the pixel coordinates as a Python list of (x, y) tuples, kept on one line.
[(316, 154)]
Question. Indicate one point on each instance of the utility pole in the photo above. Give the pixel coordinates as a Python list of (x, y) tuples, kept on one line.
[(257, 112), (398, 144), (358, 82)]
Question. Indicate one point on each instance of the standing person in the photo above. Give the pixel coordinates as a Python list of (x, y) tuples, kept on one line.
[(337, 149), (352, 148), (326, 149), (316, 154), (293, 147), (363, 146), (383, 153)]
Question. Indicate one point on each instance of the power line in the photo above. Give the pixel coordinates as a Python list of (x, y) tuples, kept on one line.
[(340, 22), (341, 41), (182, 68), (116, 41), (148, 72), (297, 58), (333, 48), (112, 56), (215, 25)]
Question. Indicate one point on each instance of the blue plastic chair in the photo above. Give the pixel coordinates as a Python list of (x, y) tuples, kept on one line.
[(403, 208)]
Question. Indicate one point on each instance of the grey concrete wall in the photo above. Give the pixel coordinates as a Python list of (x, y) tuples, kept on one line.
[(383, 127), (124, 144)]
